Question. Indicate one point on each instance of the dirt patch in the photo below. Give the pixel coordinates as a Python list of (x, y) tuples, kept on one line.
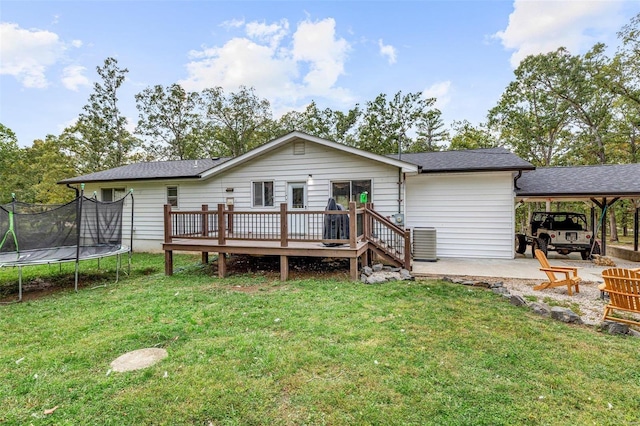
[(300, 268)]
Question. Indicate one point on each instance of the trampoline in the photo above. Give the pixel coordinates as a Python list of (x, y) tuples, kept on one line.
[(83, 229)]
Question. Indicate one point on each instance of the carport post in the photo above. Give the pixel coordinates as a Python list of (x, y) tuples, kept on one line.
[(635, 228)]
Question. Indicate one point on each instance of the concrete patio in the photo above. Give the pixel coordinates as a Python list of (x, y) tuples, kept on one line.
[(522, 267)]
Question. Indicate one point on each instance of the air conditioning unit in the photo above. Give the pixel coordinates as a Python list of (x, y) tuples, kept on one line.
[(424, 244)]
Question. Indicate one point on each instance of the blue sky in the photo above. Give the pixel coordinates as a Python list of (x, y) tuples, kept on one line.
[(337, 53)]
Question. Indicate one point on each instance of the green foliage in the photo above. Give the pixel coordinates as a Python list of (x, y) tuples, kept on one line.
[(252, 350), (386, 126), (468, 136), (329, 124), (172, 120), (100, 140), (43, 165), (10, 158), (237, 122)]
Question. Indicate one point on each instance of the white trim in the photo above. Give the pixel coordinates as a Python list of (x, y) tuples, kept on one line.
[(269, 146)]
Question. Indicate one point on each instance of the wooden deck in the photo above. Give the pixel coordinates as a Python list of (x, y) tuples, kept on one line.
[(272, 248), (284, 233)]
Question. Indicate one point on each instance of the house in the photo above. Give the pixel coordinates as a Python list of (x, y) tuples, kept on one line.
[(467, 196)]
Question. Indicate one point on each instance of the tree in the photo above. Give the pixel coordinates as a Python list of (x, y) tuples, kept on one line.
[(529, 118), (387, 126), (44, 164), (236, 123), (431, 133), (10, 157), (171, 118), (100, 140), (468, 136), (574, 80), (328, 124)]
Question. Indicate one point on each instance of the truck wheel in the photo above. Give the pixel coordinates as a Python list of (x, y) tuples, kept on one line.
[(539, 244), (521, 243), (586, 255)]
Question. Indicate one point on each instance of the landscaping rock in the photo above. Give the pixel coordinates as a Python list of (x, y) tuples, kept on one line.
[(375, 279), (500, 290), (406, 275), (517, 300), (541, 309), (367, 271), (138, 359), (377, 267), (482, 284), (565, 315), (613, 327)]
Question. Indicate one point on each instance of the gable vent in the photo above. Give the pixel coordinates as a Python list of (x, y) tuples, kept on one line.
[(298, 148)]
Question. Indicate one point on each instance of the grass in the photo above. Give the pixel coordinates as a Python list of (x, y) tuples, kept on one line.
[(249, 350)]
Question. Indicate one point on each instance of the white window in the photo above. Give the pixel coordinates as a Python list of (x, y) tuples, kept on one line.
[(263, 194), (172, 196), (351, 190), (112, 194)]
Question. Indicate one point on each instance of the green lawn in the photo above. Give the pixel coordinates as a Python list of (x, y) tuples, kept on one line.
[(249, 350)]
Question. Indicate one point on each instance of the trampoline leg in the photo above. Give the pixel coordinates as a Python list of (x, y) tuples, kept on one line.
[(77, 268), (118, 264), (19, 283)]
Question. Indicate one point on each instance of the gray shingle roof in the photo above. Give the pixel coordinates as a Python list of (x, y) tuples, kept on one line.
[(474, 160), (602, 180), (151, 170)]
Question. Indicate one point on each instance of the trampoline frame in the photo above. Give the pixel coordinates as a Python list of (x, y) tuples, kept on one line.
[(117, 251)]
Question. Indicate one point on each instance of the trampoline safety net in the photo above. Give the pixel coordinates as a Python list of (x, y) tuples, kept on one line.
[(81, 228)]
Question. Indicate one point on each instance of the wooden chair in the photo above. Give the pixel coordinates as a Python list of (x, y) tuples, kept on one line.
[(570, 278), (623, 286)]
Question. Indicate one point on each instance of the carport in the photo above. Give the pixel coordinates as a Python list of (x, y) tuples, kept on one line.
[(602, 185)]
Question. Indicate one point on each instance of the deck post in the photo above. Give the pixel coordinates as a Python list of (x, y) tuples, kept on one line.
[(168, 254), (353, 268), (407, 249), (366, 232), (221, 225), (167, 223), (284, 268), (222, 265), (284, 226), (353, 230), (168, 262), (205, 231)]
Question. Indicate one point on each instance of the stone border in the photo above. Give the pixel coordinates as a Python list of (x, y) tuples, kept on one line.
[(556, 312)]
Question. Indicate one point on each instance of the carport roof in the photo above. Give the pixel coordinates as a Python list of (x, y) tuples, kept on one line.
[(610, 180)]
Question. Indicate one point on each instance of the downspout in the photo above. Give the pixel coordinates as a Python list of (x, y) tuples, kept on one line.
[(399, 190), (75, 188), (515, 180)]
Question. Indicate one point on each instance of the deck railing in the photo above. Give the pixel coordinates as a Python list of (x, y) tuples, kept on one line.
[(284, 225)]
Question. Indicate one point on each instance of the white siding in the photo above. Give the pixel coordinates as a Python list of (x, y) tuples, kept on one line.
[(473, 213), (280, 166)]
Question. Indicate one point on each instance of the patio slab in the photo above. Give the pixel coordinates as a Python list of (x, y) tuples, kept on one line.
[(522, 267)]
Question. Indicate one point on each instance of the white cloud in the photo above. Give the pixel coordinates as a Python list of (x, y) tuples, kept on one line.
[(73, 77), (26, 54), (282, 66), (388, 51), (441, 91), (543, 26), (76, 43)]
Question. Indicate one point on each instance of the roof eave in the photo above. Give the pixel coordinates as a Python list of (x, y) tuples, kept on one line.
[(479, 169), (74, 181)]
